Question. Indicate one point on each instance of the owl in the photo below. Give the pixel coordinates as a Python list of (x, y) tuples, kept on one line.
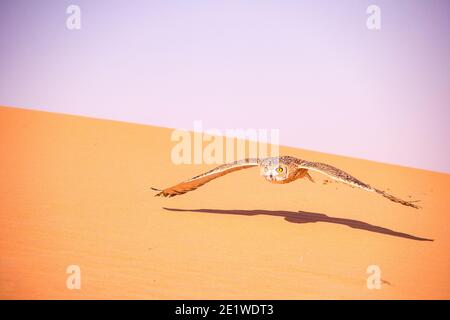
[(277, 170)]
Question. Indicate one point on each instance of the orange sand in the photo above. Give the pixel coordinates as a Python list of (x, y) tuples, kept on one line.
[(75, 190)]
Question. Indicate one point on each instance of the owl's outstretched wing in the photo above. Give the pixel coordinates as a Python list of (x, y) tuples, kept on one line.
[(343, 176), (198, 181)]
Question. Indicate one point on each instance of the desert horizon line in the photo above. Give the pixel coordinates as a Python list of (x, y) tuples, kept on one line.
[(281, 145)]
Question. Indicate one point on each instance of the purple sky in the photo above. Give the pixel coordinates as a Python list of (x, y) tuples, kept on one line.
[(309, 68)]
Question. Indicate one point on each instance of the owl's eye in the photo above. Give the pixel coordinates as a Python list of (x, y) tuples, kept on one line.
[(279, 169)]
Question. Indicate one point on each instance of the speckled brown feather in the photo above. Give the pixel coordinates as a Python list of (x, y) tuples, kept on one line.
[(343, 176), (198, 181)]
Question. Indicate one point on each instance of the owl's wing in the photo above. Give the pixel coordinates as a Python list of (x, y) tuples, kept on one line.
[(198, 181), (344, 177)]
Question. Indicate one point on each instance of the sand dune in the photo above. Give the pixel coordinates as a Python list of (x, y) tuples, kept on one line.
[(75, 191)]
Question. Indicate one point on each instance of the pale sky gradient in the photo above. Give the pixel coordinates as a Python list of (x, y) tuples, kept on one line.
[(309, 68)]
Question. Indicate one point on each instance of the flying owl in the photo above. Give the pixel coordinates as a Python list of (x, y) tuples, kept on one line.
[(283, 169)]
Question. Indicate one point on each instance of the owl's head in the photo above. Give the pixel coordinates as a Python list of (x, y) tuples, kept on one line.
[(273, 170)]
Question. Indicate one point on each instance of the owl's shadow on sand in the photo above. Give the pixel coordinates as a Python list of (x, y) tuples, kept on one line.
[(308, 217)]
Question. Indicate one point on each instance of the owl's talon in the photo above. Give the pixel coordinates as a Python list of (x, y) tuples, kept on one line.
[(310, 178)]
